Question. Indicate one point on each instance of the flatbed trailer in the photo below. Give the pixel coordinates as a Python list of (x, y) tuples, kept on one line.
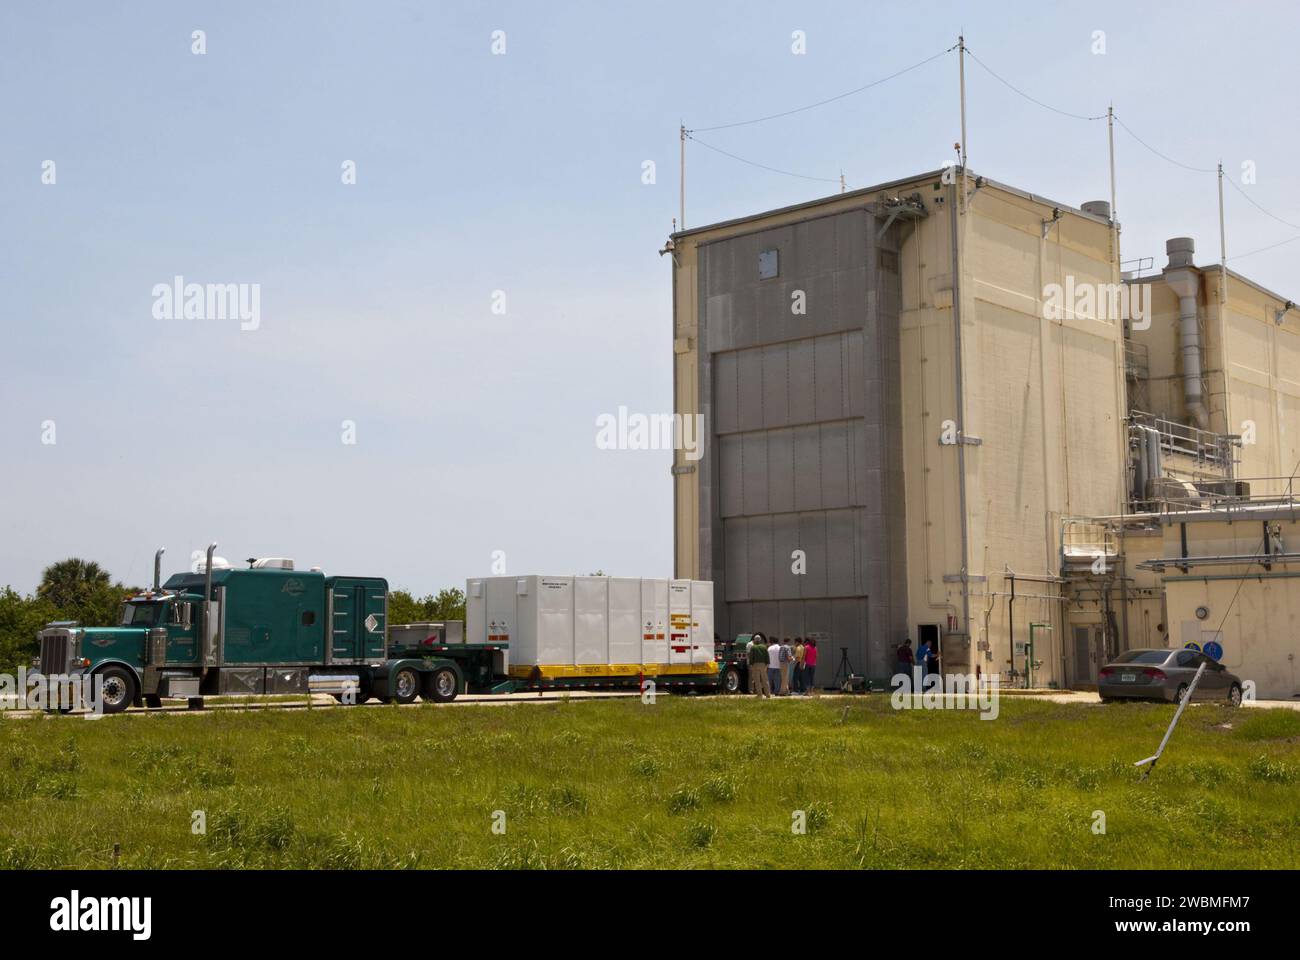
[(470, 658)]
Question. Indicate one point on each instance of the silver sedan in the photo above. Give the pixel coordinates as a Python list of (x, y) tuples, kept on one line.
[(1163, 674)]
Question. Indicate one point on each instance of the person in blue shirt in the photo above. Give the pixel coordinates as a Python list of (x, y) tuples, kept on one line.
[(923, 658)]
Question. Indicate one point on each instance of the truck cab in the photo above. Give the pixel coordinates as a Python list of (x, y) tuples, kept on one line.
[(161, 623)]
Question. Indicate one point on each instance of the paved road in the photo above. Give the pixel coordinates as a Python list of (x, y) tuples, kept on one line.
[(1091, 697), (324, 701)]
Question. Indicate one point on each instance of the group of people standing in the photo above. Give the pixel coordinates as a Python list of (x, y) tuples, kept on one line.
[(926, 658), (780, 668)]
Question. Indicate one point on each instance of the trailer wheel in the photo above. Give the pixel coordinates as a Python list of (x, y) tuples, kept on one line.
[(118, 690), (731, 681), (406, 685), (440, 686)]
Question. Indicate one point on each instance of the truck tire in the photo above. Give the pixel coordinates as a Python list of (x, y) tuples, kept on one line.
[(440, 686), (361, 695), (731, 681), (406, 685), (118, 690)]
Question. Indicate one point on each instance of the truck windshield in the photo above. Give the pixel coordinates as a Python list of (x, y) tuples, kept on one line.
[(140, 614)]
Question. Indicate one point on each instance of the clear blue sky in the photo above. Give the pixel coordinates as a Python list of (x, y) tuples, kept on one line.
[(522, 173)]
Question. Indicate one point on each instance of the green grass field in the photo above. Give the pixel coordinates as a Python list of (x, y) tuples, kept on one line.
[(704, 782)]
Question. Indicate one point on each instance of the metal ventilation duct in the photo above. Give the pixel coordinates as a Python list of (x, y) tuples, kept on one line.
[(1183, 279)]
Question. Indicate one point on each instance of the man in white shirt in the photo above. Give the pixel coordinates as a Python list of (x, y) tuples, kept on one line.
[(774, 666)]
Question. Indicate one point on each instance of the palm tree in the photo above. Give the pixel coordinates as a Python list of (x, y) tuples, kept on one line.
[(70, 582)]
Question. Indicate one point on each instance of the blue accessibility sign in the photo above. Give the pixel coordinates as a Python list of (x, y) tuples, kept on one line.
[(1213, 650)]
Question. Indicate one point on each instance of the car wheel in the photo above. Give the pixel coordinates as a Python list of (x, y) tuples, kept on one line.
[(118, 691), (1234, 695), (1181, 693), (441, 686)]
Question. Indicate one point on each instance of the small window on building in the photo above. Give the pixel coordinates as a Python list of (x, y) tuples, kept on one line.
[(769, 265), (308, 618)]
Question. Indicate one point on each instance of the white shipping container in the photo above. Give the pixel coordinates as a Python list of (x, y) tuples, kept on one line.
[(594, 626), (624, 620), (679, 621), (590, 620), (654, 621), (702, 650)]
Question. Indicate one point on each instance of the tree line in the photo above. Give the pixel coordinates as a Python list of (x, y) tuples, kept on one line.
[(83, 591)]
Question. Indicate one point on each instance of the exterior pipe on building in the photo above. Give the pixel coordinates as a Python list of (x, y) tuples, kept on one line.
[(1183, 281), (1155, 465), (1141, 471), (961, 406)]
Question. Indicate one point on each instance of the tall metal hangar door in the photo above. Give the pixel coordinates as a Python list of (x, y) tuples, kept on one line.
[(801, 521)]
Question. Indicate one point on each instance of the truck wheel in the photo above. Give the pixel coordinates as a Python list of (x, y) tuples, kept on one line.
[(731, 681), (119, 689), (406, 685), (440, 686), (359, 696)]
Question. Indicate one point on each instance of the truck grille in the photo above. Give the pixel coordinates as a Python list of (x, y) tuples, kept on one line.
[(54, 653)]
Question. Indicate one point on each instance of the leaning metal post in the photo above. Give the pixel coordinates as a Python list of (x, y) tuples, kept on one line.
[(1172, 723)]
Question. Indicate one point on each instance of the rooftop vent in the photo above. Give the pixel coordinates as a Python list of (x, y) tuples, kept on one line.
[(1181, 251), (1098, 208)]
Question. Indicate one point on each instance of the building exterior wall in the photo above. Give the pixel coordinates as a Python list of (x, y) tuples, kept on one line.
[(1040, 444), (1164, 386), (1252, 611), (1046, 399), (1251, 372), (802, 471), (1113, 603), (1263, 360)]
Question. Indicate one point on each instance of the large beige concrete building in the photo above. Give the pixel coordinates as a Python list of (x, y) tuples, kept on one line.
[(914, 429)]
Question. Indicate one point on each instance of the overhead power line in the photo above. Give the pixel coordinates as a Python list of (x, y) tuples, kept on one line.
[(822, 103), (1011, 86), (1271, 246), (1162, 156), (688, 134), (1267, 213), (761, 166)]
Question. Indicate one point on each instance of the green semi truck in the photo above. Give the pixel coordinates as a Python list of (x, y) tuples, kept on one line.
[(267, 629), (271, 629)]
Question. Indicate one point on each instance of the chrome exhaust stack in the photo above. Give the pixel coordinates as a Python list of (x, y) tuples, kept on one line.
[(157, 569), (205, 639)]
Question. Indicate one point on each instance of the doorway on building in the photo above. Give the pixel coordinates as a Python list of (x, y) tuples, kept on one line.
[(1086, 640), (929, 632)]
